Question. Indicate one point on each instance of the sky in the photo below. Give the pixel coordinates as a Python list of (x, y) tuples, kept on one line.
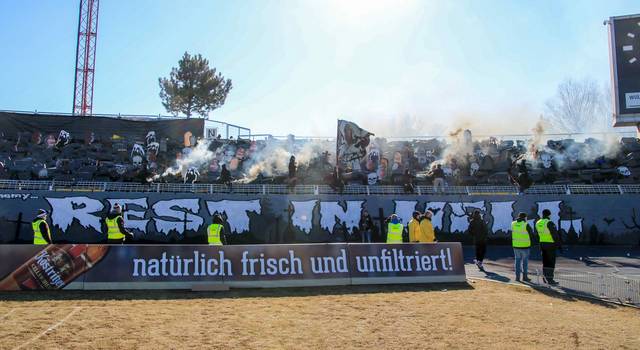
[(397, 68)]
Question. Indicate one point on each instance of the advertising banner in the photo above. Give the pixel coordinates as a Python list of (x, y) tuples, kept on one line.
[(624, 53), (111, 267)]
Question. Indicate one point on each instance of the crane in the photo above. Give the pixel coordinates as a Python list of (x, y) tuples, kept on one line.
[(85, 57)]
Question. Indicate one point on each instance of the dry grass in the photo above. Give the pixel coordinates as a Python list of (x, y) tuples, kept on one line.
[(485, 315)]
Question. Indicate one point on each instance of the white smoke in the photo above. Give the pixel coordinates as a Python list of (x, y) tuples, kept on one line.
[(273, 158), (199, 157)]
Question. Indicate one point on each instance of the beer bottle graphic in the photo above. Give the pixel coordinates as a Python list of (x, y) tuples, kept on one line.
[(54, 267)]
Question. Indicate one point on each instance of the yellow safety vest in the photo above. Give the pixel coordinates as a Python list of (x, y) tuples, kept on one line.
[(394, 233), (38, 239), (113, 231), (213, 234), (543, 231), (519, 235)]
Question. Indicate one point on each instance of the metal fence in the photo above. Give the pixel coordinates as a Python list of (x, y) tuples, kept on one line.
[(259, 189), (609, 287)]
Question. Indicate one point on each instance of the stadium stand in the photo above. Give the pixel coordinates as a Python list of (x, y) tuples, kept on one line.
[(147, 154)]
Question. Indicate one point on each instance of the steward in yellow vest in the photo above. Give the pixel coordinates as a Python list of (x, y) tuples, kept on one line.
[(394, 230), (521, 241), (215, 231), (550, 241), (116, 233), (41, 232)]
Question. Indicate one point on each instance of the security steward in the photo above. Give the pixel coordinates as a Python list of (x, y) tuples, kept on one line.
[(521, 242), (550, 242), (394, 230), (215, 231), (41, 232), (116, 233)]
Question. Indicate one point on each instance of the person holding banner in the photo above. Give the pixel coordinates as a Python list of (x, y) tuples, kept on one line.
[(394, 230), (41, 232)]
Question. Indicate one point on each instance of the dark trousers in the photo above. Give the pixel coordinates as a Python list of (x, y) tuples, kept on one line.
[(548, 261), (481, 250)]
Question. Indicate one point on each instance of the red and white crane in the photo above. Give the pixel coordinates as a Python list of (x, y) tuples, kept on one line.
[(85, 57)]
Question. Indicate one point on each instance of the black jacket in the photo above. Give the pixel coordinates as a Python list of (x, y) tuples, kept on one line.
[(557, 239), (366, 223), (478, 230)]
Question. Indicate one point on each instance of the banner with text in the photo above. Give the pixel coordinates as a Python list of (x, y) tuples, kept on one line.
[(99, 266)]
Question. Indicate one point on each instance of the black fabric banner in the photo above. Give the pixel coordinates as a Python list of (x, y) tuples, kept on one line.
[(104, 127)]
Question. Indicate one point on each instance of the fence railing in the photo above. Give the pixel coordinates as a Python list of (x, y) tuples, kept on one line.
[(260, 189), (610, 287)]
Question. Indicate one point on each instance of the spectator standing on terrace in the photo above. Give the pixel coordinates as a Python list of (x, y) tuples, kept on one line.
[(521, 241), (550, 242), (478, 231), (293, 167), (408, 185), (438, 178), (427, 233), (414, 227), (365, 226), (225, 176)]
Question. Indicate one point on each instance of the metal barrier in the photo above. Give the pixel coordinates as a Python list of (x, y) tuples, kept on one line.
[(267, 189), (610, 287)]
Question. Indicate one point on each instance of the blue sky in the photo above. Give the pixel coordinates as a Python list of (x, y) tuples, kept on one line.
[(395, 67)]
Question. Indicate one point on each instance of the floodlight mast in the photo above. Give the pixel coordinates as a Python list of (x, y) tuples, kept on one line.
[(85, 57)]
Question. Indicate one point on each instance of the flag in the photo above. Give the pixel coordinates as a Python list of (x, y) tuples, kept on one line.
[(352, 142)]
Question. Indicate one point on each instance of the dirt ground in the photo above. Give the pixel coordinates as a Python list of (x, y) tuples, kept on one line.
[(478, 315)]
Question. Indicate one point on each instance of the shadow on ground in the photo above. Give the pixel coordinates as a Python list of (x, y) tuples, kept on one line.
[(233, 293)]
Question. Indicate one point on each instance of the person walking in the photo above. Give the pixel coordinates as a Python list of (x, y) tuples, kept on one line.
[(215, 231), (427, 233), (521, 242), (116, 232), (478, 231), (366, 226), (550, 242), (41, 232), (414, 227), (394, 230)]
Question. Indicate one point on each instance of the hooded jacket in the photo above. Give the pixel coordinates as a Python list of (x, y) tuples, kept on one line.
[(427, 233), (414, 230)]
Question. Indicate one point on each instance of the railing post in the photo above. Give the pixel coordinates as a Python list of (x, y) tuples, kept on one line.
[(210, 188), (620, 189), (316, 190), (158, 187), (264, 189), (466, 188), (104, 187), (368, 193), (568, 189), (419, 191)]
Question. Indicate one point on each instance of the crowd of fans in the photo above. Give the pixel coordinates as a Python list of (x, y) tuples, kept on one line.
[(65, 157)]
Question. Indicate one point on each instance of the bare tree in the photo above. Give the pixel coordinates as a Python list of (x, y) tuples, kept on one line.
[(579, 106)]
